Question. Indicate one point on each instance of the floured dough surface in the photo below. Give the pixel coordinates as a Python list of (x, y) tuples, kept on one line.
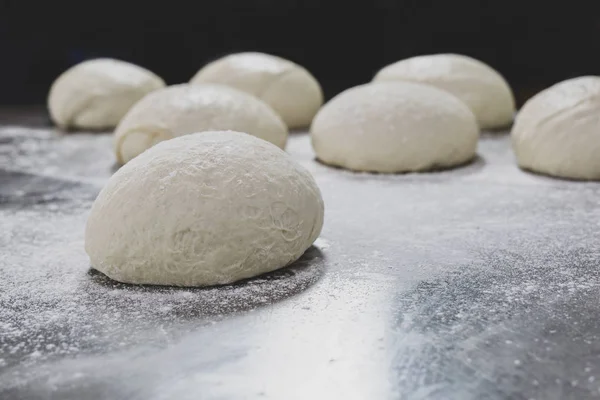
[(96, 94), (478, 85), (557, 132), (287, 87), (183, 109), (203, 209), (394, 127)]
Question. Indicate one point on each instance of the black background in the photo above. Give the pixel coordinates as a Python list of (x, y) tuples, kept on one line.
[(532, 43)]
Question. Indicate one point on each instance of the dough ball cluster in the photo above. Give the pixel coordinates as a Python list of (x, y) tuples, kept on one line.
[(96, 94), (204, 198), (287, 87), (208, 197), (203, 209)]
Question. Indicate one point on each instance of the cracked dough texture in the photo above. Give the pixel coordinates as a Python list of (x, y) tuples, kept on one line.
[(183, 109), (478, 85), (557, 132), (203, 209), (96, 94), (287, 87), (394, 127)]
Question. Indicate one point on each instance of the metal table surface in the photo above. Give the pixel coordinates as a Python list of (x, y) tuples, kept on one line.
[(480, 282)]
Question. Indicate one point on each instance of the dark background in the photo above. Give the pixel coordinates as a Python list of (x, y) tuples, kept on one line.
[(533, 44)]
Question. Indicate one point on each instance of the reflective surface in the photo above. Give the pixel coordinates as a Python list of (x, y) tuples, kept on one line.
[(479, 282)]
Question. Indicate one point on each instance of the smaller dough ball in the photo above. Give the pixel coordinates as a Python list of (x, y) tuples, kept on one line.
[(478, 85), (394, 127), (203, 209), (287, 87), (96, 94), (557, 132), (183, 109)]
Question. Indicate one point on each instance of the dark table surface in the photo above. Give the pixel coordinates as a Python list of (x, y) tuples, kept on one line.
[(481, 282)]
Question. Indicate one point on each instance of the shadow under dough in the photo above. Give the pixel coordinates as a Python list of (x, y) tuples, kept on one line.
[(474, 164), (244, 295)]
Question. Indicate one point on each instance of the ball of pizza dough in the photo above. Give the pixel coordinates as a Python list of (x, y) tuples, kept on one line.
[(394, 127), (287, 87), (183, 109), (478, 85), (96, 94), (203, 209), (557, 132)]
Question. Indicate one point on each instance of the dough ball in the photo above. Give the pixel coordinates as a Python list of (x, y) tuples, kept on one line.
[(95, 94), (478, 85), (203, 209), (394, 127), (287, 87), (183, 109), (557, 132)]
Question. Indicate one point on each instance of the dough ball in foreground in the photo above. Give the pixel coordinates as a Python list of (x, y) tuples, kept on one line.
[(478, 85), (95, 94), (203, 209), (394, 127), (183, 109), (557, 132), (287, 87)]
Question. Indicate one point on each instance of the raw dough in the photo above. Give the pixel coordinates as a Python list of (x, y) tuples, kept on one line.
[(203, 209), (557, 132), (394, 127), (183, 109), (481, 87), (95, 94), (287, 87)]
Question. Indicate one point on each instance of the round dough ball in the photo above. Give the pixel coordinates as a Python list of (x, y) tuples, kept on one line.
[(203, 209), (183, 109), (394, 127), (557, 132), (95, 94), (287, 87), (478, 85)]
